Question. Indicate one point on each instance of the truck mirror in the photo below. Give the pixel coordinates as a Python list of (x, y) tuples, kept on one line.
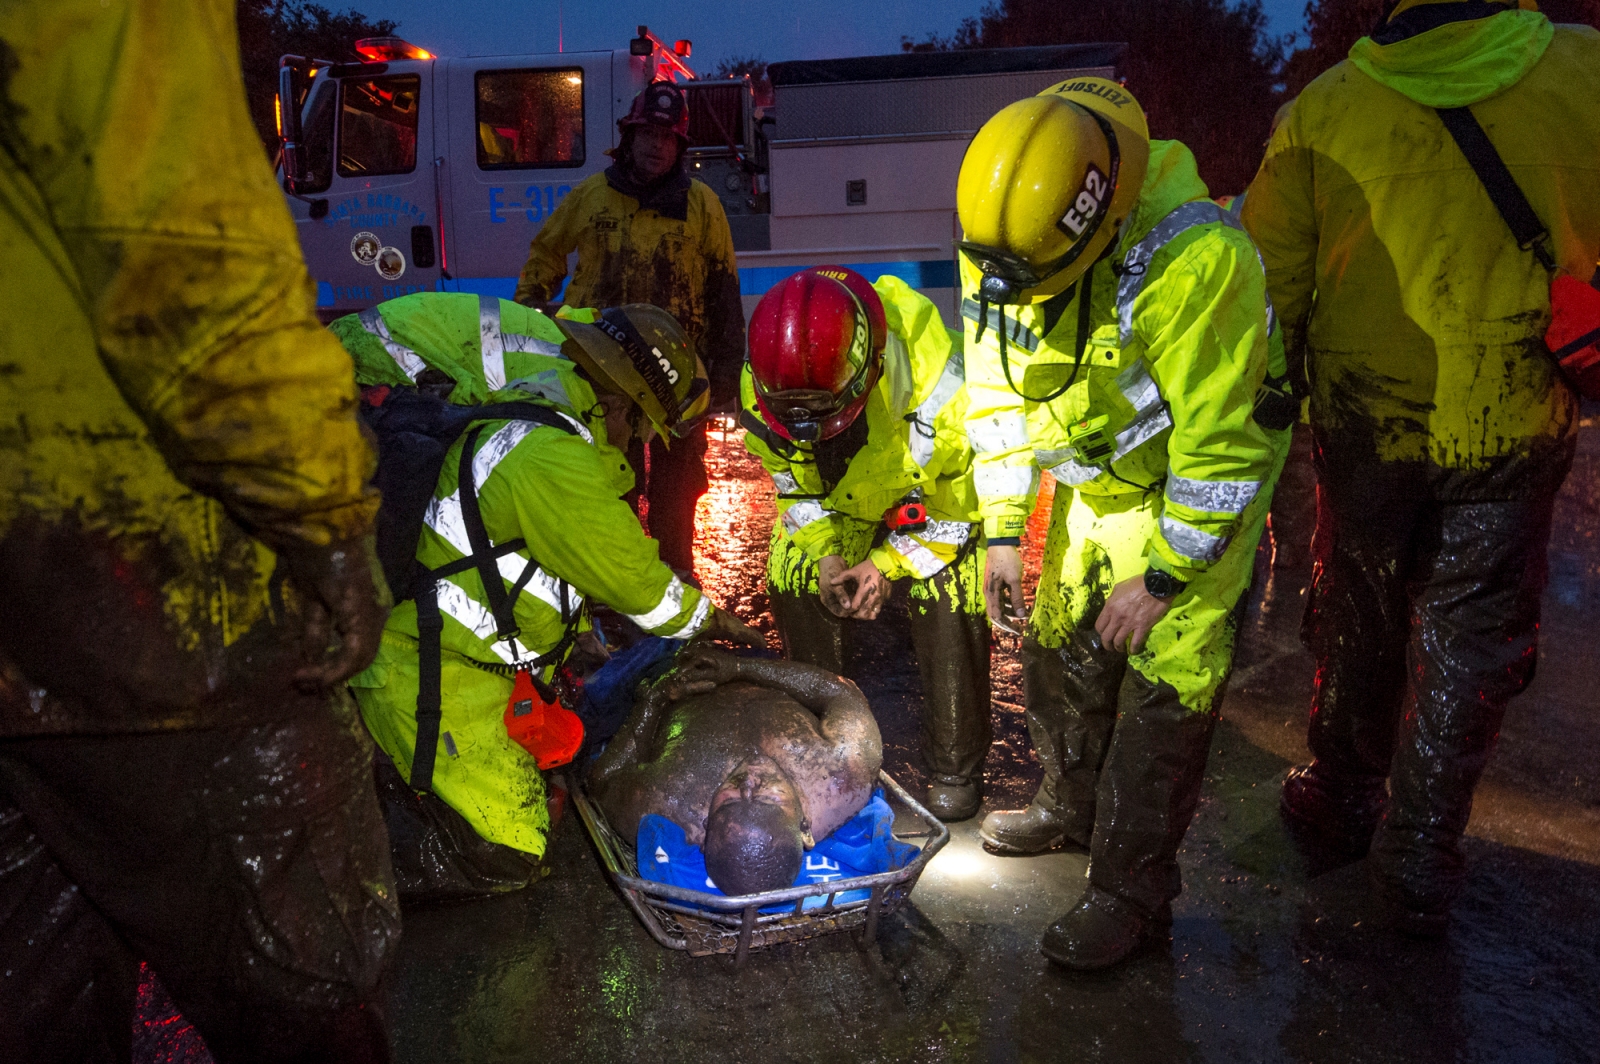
[(289, 136)]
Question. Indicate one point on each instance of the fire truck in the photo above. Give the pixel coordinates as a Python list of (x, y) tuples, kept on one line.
[(408, 172)]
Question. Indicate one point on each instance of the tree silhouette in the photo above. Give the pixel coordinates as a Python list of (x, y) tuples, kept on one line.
[(269, 29), (752, 66), (1204, 70)]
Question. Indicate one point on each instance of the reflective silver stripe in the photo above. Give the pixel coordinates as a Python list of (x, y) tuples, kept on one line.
[(490, 345), (1134, 263), (785, 483), (994, 480), (697, 620), (409, 361), (670, 606), (1190, 541), (1212, 496), (919, 559), (444, 517), (922, 419), (1073, 474), (802, 514), (1017, 334), (954, 533), (476, 618), (999, 432), (529, 345), (1146, 426), (897, 374), (1138, 387)]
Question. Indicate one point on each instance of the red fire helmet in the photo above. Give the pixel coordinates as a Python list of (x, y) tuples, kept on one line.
[(814, 354), (862, 289), (661, 103)]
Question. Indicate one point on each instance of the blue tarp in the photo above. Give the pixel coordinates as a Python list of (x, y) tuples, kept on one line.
[(865, 845)]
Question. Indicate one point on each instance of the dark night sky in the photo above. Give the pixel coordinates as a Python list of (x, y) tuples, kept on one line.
[(719, 28)]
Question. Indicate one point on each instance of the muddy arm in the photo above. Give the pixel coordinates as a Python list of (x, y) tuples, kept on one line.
[(845, 716), (638, 733)]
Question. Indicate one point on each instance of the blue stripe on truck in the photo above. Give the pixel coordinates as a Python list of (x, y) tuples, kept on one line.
[(927, 273)]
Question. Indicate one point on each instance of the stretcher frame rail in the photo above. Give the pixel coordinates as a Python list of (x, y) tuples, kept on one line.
[(704, 924)]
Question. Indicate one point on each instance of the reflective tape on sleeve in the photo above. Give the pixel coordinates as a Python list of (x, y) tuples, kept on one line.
[(1003, 480), (1191, 542), (670, 605), (490, 344), (998, 432), (785, 483), (409, 361), (1212, 496), (918, 558), (475, 617), (922, 419), (802, 514)]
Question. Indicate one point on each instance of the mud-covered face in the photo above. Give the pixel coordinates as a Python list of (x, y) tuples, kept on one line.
[(760, 779)]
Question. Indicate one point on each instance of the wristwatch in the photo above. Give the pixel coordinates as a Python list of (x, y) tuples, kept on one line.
[(1162, 584)]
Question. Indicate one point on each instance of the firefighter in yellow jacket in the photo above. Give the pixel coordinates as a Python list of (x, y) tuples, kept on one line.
[(1442, 428), (645, 232), (1118, 339), (854, 402), (184, 535), (556, 487)]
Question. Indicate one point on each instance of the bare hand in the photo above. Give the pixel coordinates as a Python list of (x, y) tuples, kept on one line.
[(829, 570), (872, 590), (1128, 615), (1002, 589), (725, 625), (700, 669)]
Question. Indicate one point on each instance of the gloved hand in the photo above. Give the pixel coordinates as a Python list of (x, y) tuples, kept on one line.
[(347, 602), (725, 625)]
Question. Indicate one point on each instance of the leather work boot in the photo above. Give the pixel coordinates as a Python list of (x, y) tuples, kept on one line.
[(1019, 832), (1337, 814), (1100, 931), (952, 798)]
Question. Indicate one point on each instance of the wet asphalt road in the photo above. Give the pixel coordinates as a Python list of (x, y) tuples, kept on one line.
[(1267, 962)]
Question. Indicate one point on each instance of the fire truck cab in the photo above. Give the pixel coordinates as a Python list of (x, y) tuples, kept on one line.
[(409, 173)]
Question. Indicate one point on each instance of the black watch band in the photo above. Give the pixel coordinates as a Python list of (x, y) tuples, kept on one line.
[(1162, 584)]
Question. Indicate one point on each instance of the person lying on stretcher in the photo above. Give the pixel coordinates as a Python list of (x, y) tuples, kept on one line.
[(753, 758)]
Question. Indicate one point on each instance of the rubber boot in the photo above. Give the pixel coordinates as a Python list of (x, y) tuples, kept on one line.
[(950, 634), (1149, 788), (1472, 648), (1332, 814), (1071, 697)]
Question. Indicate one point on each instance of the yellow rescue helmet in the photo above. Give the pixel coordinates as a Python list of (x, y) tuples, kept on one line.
[(641, 352), (1045, 185)]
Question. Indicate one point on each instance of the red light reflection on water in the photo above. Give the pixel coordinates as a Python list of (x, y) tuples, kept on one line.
[(160, 1033)]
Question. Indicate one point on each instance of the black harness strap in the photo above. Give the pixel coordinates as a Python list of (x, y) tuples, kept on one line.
[(1529, 233), (430, 622)]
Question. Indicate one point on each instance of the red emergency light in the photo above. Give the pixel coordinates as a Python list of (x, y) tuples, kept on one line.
[(386, 49)]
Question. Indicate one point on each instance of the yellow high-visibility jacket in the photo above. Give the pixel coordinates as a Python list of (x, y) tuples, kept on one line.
[(916, 439), (633, 254), (170, 409), (1420, 318), (1177, 349)]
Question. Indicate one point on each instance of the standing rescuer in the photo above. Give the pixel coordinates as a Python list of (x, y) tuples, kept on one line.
[(854, 402), (1443, 430), (546, 496), (186, 565), (645, 232), (1118, 337)]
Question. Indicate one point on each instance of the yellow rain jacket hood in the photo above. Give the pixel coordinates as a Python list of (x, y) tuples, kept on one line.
[(1420, 320), (171, 413)]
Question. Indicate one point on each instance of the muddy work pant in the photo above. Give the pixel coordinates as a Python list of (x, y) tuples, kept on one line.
[(950, 636), (668, 486), (1424, 623), (248, 866), (1123, 738)]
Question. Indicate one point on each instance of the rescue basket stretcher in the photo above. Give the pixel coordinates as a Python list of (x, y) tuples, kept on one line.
[(704, 924)]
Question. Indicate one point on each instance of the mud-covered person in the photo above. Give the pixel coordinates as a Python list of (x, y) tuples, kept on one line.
[(754, 759), (645, 232)]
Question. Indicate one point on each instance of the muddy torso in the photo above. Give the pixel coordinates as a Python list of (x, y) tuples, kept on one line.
[(702, 738)]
